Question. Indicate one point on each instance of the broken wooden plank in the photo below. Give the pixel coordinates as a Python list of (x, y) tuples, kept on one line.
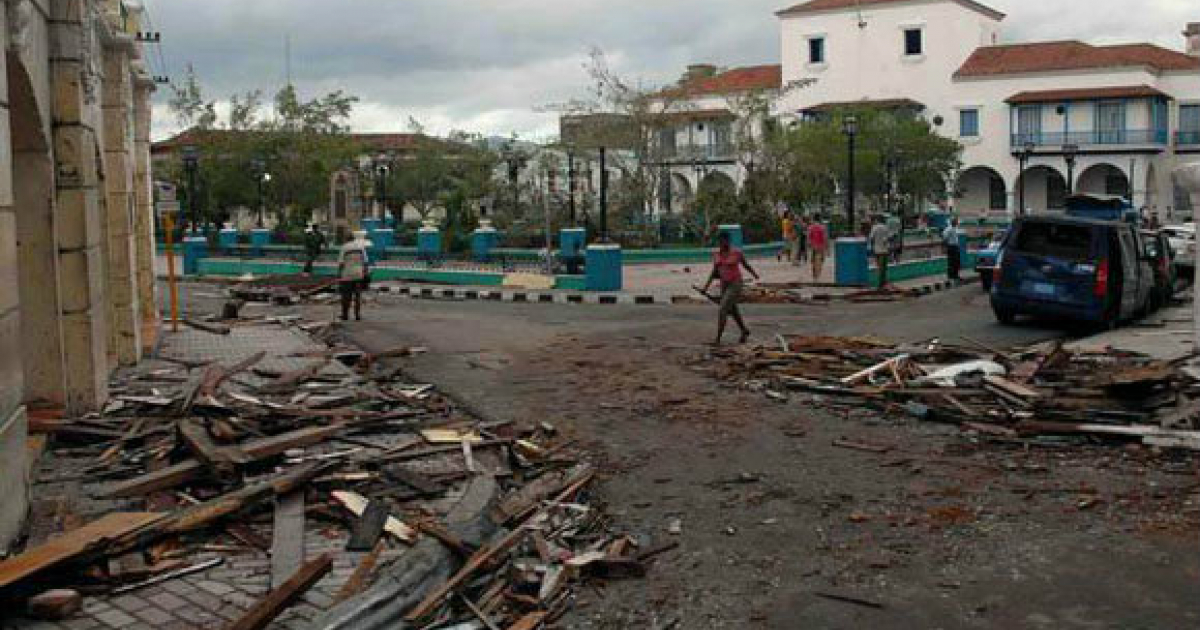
[(450, 436), (357, 582), (216, 329), (75, 543), (223, 460), (369, 527), (528, 496), (287, 536), (484, 556), (529, 621), (851, 599), (357, 505), (231, 503), (423, 485), (186, 471), (278, 600), (456, 544), (288, 381), (1016, 390)]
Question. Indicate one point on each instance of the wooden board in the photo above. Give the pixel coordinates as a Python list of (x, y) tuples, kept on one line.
[(369, 527), (357, 505), (450, 436), (186, 471), (74, 543), (285, 595), (287, 537)]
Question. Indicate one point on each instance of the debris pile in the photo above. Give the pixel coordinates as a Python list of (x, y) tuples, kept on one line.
[(202, 461), (1045, 390)]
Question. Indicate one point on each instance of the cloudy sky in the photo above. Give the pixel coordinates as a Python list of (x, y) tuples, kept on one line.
[(490, 65)]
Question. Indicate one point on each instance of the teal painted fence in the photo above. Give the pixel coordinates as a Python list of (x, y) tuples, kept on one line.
[(239, 267)]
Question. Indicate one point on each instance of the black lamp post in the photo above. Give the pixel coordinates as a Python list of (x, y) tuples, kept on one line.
[(381, 175), (571, 183), (1070, 153), (191, 162), (850, 128), (1023, 157), (261, 177), (603, 195)]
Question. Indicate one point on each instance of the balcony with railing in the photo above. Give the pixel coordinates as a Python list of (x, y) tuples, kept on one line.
[(1092, 138), (1189, 139), (689, 153)]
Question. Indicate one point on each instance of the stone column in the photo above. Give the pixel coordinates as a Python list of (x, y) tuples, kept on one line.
[(143, 191), (118, 135), (74, 74)]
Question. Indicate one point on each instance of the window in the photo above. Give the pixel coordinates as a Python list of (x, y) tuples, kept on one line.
[(913, 42), (1069, 242), (1029, 124), (1189, 124), (1110, 122), (816, 50), (666, 142), (968, 123)]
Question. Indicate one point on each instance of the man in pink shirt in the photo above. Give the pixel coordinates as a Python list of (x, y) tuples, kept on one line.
[(727, 267), (818, 245)]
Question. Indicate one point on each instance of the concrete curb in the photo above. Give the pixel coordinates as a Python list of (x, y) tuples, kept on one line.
[(521, 296)]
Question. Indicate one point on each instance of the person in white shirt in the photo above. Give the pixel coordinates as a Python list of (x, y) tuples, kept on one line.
[(950, 238), (879, 240), (354, 263)]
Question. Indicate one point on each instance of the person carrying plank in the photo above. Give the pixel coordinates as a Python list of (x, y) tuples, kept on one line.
[(727, 267), (354, 261)]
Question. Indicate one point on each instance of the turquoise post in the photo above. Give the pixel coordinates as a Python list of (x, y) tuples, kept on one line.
[(603, 268), (429, 243), (194, 248), (850, 262), (965, 258), (259, 239), (228, 238), (735, 234), (369, 225), (381, 240), (572, 242), (483, 241)]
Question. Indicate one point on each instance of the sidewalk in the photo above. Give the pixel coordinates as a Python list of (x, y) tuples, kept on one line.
[(1165, 335)]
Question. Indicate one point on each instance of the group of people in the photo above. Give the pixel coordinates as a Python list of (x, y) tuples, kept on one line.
[(804, 240), (882, 241)]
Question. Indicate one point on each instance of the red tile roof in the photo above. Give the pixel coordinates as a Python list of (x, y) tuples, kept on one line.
[(1081, 94), (371, 141), (1070, 55), (814, 6), (879, 104), (694, 115), (768, 77)]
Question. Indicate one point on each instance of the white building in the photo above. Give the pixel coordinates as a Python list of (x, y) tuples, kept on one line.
[(703, 124), (1112, 119)]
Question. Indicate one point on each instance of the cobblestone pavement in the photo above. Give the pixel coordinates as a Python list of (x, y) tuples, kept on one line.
[(215, 597)]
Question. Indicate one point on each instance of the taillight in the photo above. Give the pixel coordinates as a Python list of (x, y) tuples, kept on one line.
[(1102, 279), (998, 269)]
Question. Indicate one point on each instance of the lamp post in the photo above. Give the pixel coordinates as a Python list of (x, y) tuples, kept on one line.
[(1023, 157), (850, 128), (261, 177), (571, 183), (603, 195), (381, 173), (191, 162), (1070, 153)]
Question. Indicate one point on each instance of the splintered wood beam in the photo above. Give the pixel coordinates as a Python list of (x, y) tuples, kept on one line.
[(279, 599), (188, 470), (287, 537)]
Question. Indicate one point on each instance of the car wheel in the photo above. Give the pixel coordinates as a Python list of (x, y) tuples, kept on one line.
[(1005, 316)]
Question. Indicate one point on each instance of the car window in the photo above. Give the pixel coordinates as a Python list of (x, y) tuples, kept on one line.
[(1070, 242)]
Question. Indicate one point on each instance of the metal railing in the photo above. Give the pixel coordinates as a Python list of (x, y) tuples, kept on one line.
[(691, 152), (1091, 138)]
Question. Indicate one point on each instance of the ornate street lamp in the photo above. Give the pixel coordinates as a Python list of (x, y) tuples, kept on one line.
[(1070, 153), (191, 163), (262, 177), (850, 128), (1023, 156)]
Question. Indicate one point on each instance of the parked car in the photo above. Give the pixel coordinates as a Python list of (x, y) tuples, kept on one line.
[(1183, 243), (1079, 269), (1158, 249), (985, 259)]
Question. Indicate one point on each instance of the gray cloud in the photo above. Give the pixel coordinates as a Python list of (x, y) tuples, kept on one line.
[(485, 65)]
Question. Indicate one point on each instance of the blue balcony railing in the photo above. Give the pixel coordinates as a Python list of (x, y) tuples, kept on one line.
[(1091, 138), (1187, 138)]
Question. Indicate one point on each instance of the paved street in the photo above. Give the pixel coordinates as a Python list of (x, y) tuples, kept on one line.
[(944, 531)]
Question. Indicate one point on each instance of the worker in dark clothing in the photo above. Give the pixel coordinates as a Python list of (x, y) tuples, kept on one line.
[(314, 244)]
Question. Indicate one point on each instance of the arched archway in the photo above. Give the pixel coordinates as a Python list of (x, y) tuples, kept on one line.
[(1043, 187), (980, 189), (681, 193), (715, 181), (37, 270), (1103, 179)]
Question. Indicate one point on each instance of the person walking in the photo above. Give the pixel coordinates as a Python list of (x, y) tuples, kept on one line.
[(950, 239), (354, 264), (818, 246), (880, 242), (727, 267), (788, 227), (801, 240), (314, 244)]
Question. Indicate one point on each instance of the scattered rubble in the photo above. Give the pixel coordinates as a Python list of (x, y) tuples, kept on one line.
[(1032, 393), (213, 460)]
